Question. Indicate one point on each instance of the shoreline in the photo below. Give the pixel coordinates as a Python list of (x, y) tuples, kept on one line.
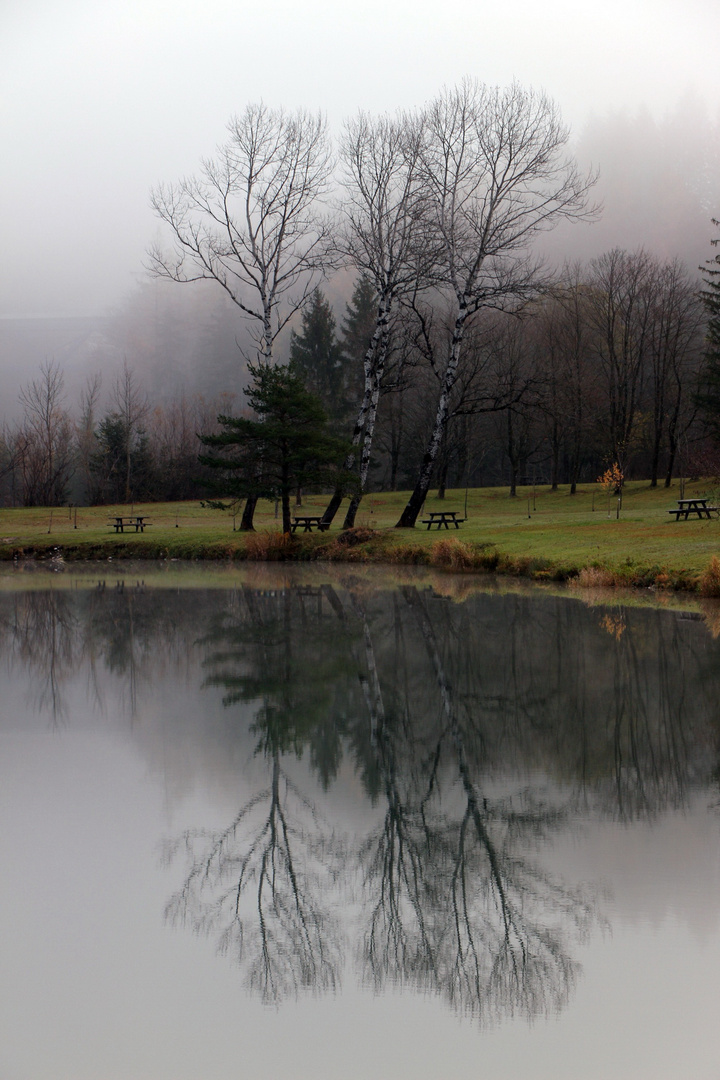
[(367, 547)]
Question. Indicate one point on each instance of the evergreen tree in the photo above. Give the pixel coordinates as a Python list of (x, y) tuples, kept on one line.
[(285, 445), (108, 465), (709, 396), (316, 354), (359, 321)]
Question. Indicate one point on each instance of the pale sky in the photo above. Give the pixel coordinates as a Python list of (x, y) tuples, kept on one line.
[(100, 101)]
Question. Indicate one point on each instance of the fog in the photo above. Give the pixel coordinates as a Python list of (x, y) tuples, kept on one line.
[(98, 103)]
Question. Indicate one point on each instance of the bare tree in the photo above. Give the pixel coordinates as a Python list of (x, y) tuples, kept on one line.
[(568, 374), (250, 221), (385, 237), (675, 350), (85, 431), (44, 443), (132, 407), (620, 311), (258, 886), (494, 164)]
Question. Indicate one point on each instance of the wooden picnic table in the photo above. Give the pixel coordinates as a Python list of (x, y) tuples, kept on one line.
[(309, 522), (685, 507), (123, 522), (438, 518)]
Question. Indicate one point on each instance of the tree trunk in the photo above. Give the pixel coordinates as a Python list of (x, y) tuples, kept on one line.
[(333, 506), (671, 460), (442, 479), (349, 522), (415, 503), (513, 479), (373, 365), (286, 522), (246, 522), (370, 418), (673, 439), (655, 465), (512, 457)]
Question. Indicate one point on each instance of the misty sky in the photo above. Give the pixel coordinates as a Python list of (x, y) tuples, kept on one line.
[(100, 101)]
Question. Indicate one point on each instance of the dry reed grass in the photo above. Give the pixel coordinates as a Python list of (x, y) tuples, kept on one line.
[(709, 583)]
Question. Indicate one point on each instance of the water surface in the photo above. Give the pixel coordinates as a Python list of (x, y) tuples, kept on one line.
[(333, 825)]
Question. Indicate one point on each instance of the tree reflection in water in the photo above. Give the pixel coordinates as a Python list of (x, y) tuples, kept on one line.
[(261, 885), (447, 713), (456, 907)]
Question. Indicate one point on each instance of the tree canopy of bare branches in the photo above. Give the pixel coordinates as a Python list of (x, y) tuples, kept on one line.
[(250, 220), (497, 174)]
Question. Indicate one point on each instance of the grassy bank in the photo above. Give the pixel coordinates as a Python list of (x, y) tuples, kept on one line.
[(542, 535)]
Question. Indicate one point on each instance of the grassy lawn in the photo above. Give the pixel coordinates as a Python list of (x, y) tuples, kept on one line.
[(545, 534)]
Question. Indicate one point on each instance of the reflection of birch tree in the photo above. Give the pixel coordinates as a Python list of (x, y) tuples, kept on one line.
[(397, 859), (504, 950)]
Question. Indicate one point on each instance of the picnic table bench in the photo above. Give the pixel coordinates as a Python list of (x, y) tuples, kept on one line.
[(685, 507), (122, 522), (309, 522), (438, 518)]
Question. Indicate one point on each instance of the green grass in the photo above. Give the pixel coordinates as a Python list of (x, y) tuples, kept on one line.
[(551, 535)]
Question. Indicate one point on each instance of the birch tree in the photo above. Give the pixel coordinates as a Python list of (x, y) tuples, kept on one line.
[(494, 166), (384, 237), (251, 221)]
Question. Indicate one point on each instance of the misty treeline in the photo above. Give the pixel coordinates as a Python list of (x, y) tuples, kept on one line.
[(459, 358), (114, 447)]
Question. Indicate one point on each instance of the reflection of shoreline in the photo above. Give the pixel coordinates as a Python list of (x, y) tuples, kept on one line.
[(538, 683), (177, 573)]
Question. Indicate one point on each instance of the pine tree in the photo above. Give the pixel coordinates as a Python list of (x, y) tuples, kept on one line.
[(359, 321), (285, 445), (709, 395), (316, 354)]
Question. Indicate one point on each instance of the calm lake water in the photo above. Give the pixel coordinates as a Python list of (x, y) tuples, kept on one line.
[(261, 824)]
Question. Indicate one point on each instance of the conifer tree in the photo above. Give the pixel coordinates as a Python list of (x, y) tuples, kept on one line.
[(286, 443), (316, 354), (359, 324), (709, 396)]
